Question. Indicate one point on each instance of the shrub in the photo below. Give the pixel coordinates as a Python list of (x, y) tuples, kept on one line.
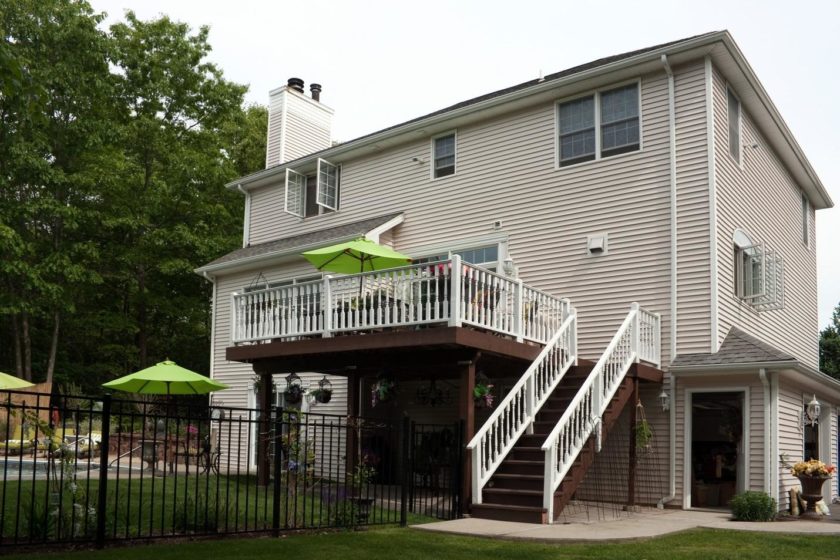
[(753, 506)]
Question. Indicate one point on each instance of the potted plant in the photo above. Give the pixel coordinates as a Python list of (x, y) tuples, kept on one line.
[(294, 389), (483, 395), (381, 390), (323, 393), (644, 434), (812, 475)]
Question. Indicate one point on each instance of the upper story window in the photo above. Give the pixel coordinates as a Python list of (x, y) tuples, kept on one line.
[(315, 193), (734, 116), (759, 274), (603, 124), (444, 156), (806, 220), (485, 256)]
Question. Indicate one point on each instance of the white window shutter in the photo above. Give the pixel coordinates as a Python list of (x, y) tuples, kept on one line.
[(295, 193), (327, 185)]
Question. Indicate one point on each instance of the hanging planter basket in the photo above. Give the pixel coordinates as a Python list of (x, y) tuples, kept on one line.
[(382, 390), (323, 394), (644, 433), (293, 394)]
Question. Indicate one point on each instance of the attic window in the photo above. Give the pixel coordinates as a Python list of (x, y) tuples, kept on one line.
[(314, 193), (759, 274), (444, 152)]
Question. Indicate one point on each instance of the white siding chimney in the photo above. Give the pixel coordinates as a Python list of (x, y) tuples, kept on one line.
[(298, 125)]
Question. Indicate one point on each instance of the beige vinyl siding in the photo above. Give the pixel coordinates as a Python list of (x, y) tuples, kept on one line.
[(790, 438), (507, 171), (760, 197), (693, 255)]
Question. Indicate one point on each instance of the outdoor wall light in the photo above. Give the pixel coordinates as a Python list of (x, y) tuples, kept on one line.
[(664, 400), (509, 267), (812, 411)]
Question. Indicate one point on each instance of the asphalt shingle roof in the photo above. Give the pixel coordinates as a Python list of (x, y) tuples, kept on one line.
[(738, 348), (321, 236)]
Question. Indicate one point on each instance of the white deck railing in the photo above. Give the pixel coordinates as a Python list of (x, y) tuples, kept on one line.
[(515, 414), (637, 339), (444, 292)]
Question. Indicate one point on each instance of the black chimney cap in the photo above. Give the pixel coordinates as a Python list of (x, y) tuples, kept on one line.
[(295, 84), (315, 89)]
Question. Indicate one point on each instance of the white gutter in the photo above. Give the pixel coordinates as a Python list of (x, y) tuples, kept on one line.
[(672, 133), (768, 445), (246, 224)]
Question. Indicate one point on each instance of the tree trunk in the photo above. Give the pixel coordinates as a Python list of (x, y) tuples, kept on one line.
[(53, 348), (142, 317), (18, 353), (27, 348)]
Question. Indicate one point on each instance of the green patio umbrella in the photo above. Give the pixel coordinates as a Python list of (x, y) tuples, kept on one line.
[(360, 255), (10, 382), (165, 378)]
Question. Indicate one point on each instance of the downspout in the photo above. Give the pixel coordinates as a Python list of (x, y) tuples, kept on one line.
[(774, 434), (672, 427), (672, 444), (212, 327), (246, 224), (768, 438)]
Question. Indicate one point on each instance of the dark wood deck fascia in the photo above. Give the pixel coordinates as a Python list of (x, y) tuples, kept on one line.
[(441, 345)]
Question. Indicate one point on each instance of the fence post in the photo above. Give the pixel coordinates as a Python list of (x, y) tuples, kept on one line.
[(635, 326), (326, 307), (102, 502), (518, 311), (278, 473), (455, 307), (407, 472)]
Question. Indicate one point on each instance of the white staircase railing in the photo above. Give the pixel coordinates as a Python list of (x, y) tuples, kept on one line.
[(637, 339), (516, 412)]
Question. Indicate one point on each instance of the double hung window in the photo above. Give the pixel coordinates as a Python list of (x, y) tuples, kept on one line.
[(600, 125), (444, 156)]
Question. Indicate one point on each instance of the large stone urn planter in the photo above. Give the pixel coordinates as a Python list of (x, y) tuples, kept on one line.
[(812, 493)]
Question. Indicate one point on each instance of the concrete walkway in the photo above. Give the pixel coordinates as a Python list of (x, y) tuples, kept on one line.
[(640, 525)]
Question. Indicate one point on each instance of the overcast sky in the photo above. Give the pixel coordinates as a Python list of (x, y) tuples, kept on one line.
[(384, 62)]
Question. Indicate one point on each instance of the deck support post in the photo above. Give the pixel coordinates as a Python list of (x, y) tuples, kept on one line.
[(466, 411), (354, 382)]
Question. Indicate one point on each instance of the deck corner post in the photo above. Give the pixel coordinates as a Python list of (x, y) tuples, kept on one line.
[(518, 311), (326, 307), (455, 304)]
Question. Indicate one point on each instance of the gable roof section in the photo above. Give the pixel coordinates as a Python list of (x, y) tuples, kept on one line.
[(738, 348), (718, 45), (296, 244)]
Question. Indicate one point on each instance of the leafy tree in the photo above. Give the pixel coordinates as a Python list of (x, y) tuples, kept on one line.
[(830, 346), (114, 149), (53, 118)]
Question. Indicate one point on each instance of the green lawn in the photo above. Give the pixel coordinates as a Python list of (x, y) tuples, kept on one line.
[(408, 544)]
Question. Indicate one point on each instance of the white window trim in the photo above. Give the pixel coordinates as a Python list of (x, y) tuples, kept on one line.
[(454, 134), (318, 196), (464, 244), (739, 161), (596, 93), (289, 174)]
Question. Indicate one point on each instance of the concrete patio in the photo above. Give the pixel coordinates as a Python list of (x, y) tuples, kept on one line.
[(647, 523)]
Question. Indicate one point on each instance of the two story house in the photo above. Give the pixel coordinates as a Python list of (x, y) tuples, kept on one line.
[(635, 234)]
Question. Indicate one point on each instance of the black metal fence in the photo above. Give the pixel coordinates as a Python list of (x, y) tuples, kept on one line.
[(80, 469)]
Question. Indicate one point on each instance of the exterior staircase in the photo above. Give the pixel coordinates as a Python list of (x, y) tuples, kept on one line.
[(515, 491), (535, 449)]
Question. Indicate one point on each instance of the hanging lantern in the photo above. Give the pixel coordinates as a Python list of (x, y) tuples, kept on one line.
[(664, 400), (812, 411)]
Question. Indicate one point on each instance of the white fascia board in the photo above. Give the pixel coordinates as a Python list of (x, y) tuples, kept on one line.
[(817, 377), (374, 234), (651, 58)]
